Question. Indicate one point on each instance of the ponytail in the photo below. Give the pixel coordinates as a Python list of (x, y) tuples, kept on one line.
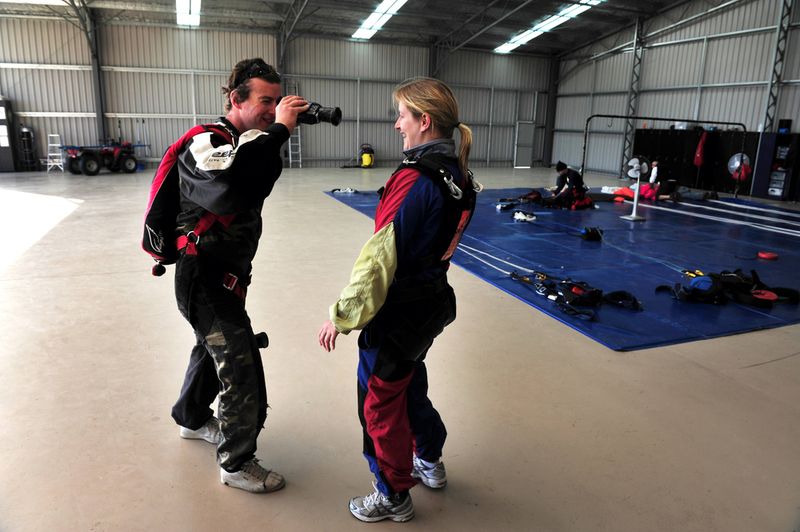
[(464, 146)]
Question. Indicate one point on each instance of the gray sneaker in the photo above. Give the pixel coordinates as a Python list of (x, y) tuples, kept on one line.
[(434, 477), (209, 432), (377, 507), (253, 478)]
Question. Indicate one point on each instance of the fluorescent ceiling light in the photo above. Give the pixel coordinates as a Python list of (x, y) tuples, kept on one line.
[(188, 12), (37, 2), (378, 18), (546, 25)]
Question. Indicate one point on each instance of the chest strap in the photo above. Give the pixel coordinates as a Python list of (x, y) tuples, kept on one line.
[(190, 240)]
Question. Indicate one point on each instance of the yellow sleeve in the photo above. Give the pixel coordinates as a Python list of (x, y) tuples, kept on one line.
[(373, 273)]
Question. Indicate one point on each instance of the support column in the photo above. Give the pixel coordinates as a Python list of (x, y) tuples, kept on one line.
[(633, 97), (777, 65), (437, 56), (771, 106), (293, 15), (97, 77), (87, 24), (550, 114)]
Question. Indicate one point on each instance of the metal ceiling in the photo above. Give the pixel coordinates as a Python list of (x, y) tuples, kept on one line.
[(446, 24)]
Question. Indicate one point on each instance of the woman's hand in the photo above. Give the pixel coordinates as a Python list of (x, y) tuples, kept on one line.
[(327, 336)]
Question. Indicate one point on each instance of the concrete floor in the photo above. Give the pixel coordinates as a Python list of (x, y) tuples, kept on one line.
[(549, 431)]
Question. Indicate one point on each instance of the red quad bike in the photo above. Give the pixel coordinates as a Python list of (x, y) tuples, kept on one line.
[(90, 159)]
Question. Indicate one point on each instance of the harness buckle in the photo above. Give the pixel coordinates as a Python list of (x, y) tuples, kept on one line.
[(193, 237), (229, 281), (451, 185)]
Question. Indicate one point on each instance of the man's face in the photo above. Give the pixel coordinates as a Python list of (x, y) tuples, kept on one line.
[(409, 126), (258, 110)]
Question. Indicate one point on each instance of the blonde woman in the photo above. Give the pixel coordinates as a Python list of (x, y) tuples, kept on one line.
[(400, 298)]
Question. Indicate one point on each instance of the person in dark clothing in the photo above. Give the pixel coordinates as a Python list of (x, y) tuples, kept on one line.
[(399, 295), (228, 171), (569, 189)]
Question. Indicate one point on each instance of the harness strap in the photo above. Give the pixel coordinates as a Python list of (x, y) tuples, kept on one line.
[(458, 203), (190, 240), (231, 282)]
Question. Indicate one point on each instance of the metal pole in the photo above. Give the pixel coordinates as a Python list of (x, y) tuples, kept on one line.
[(588, 120), (633, 217), (550, 114), (633, 97), (535, 122), (489, 136), (701, 76), (193, 81), (97, 75), (778, 55), (358, 112)]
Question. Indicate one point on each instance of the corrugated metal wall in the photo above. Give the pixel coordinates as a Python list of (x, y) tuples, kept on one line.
[(357, 77), (494, 92), (715, 68), (41, 41), (345, 59), (506, 71), (159, 81), (44, 71), (174, 48)]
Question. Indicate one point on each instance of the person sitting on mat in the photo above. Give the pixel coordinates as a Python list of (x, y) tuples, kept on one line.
[(569, 192)]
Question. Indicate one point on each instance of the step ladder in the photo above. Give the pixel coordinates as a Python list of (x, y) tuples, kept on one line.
[(295, 139), (55, 157)]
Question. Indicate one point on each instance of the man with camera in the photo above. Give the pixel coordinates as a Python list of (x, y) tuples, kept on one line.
[(226, 172)]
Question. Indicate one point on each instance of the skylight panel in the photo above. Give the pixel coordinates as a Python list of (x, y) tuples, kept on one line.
[(377, 19), (187, 12), (546, 25)]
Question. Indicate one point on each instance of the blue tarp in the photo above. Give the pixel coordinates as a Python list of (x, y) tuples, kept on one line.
[(634, 256)]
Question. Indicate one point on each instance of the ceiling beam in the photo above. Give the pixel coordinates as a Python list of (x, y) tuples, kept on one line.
[(152, 7), (287, 27), (475, 34)]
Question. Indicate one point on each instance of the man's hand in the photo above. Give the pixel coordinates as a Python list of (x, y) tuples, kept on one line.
[(288, 109), (327, 336)]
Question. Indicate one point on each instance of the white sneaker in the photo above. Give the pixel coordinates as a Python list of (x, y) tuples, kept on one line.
[(377, 507), (209, 432), (434, 477), (253, 478)]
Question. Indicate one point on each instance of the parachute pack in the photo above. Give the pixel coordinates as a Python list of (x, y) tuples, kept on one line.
[(160, 219), (576, 298), (719, 288)]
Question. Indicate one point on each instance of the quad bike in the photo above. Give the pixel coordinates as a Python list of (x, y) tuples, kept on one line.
[(89, 160)]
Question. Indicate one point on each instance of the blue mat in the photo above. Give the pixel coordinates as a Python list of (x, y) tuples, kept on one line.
[(634, 256)]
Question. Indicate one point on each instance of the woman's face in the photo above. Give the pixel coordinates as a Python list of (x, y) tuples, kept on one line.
[(409, 126)]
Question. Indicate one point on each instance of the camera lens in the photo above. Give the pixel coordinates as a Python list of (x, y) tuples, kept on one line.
[(332, 115)]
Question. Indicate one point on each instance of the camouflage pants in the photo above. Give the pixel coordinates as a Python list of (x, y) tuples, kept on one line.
[(225, 361)]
